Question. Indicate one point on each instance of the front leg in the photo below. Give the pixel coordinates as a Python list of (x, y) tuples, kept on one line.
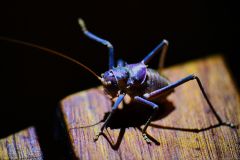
[(100, 40), (114, 109)]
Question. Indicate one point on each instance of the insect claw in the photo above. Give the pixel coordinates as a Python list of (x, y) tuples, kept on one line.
[(97, 136), (229, 124), (95, 139), (148, 141), (146, 138)]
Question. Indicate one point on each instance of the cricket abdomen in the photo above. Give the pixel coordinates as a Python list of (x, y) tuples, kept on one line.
[(155, 81)]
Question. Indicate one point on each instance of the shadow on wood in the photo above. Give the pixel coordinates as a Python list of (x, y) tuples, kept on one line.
[(142, 114)]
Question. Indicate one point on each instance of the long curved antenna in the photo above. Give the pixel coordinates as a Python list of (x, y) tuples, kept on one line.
[(50, 51), (100, 40)]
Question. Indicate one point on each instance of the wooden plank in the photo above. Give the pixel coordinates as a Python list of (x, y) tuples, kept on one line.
[(186, 109), (21, 145)]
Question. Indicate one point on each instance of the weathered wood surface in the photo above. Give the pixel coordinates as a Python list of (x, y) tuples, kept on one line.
[(171, 141), (22, 145)]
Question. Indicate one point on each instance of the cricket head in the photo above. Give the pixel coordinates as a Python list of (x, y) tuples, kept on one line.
[(115, 80)]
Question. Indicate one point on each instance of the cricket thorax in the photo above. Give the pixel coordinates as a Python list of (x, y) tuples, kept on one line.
[(124, 78), (152, 82), (133, 79)]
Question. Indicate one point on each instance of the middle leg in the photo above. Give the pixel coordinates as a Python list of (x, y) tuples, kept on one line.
[(155, 107), (162, 46)]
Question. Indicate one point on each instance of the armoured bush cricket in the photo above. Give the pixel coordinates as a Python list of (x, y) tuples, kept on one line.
[(142, 84)]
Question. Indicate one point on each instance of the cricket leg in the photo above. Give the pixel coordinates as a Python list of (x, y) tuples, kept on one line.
[(155, 107), (114, 109), (164, 46), (100, 40), (184, 80)]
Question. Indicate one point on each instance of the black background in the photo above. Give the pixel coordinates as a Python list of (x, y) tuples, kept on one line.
[(32, 82)]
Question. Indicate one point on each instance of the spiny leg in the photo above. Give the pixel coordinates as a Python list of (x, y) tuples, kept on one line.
[(184, 80), (114, 109), (100, 40), (155, 107), (162, 46)]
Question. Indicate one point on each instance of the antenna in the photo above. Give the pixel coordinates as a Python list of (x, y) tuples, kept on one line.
[(50, 51)]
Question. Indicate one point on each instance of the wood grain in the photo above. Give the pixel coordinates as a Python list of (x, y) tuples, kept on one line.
[(172, 131), (22, 145)]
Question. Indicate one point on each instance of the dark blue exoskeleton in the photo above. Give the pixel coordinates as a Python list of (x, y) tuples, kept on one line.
[(142, 84)]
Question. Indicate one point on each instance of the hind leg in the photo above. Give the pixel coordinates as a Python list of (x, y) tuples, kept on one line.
[(182, 81)]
